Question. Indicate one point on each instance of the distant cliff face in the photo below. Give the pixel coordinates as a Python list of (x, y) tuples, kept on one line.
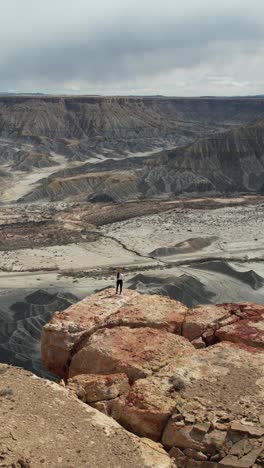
[(217, 145), (133, 123), (225, 163)]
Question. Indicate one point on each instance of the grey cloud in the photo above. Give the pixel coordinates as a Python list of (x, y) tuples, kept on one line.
[(119, 45)]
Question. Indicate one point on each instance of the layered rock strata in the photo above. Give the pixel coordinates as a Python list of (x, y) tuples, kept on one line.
[(192, 379)]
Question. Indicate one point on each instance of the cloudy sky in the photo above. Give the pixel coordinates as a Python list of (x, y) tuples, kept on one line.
[(170, 47)]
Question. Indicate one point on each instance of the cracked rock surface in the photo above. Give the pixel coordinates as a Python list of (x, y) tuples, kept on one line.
[(192, 379)]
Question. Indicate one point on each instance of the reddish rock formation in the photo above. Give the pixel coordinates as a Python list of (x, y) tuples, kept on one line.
[(191, 379), (246, 327), (105, 310)]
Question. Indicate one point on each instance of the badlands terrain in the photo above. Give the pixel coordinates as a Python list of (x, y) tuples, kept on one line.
[(171, 190)]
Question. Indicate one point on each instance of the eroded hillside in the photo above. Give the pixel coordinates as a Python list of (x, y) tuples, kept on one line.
[(226, 163), (74, 136)]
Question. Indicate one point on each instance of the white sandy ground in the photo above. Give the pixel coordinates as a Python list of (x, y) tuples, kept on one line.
[(239, 231), (240, 236), (15, 282), (23, 183), (82, 256), (225, 288)]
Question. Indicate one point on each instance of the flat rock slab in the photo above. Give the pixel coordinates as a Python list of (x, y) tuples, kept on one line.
[(44, 426), (137, 352), (151, 311)]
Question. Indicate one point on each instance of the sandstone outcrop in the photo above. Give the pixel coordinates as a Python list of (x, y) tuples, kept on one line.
[(69, 331), (192, 379)]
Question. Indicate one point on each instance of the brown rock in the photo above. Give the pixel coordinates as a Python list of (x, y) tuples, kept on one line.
[(179, 457), (66, 328), (246, 461), (241, 448), (182, 438), (200, 318), (103, 406), (144, 410), (233, 462), (203, 428), (249, 331), (145, 422), (137, 352), (201, 464), (195, 455), (261, 419), (104, 309), (101, 387), (251, 430), (198, 343), (217, 376), (125, 356), (189, 418), (150, 311), (214, 441)]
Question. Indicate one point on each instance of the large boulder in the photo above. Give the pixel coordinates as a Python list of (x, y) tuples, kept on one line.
[(71, 328), (239, 323), (137, 352), (146, 408)]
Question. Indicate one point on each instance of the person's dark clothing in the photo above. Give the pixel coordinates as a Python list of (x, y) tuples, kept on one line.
[(119, 285), (119, 282)]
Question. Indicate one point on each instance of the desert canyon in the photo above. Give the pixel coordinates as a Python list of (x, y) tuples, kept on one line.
[(171, 373)]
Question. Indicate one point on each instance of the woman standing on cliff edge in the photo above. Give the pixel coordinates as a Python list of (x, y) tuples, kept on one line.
[(119, 281)]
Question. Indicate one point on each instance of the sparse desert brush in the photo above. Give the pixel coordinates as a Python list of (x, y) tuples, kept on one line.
[(6, 392)]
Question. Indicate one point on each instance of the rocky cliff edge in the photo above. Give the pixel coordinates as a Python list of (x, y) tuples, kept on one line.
[(192, 379), (43, 425)]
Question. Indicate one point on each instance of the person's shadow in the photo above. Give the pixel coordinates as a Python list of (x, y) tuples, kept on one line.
[(107, 297)]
